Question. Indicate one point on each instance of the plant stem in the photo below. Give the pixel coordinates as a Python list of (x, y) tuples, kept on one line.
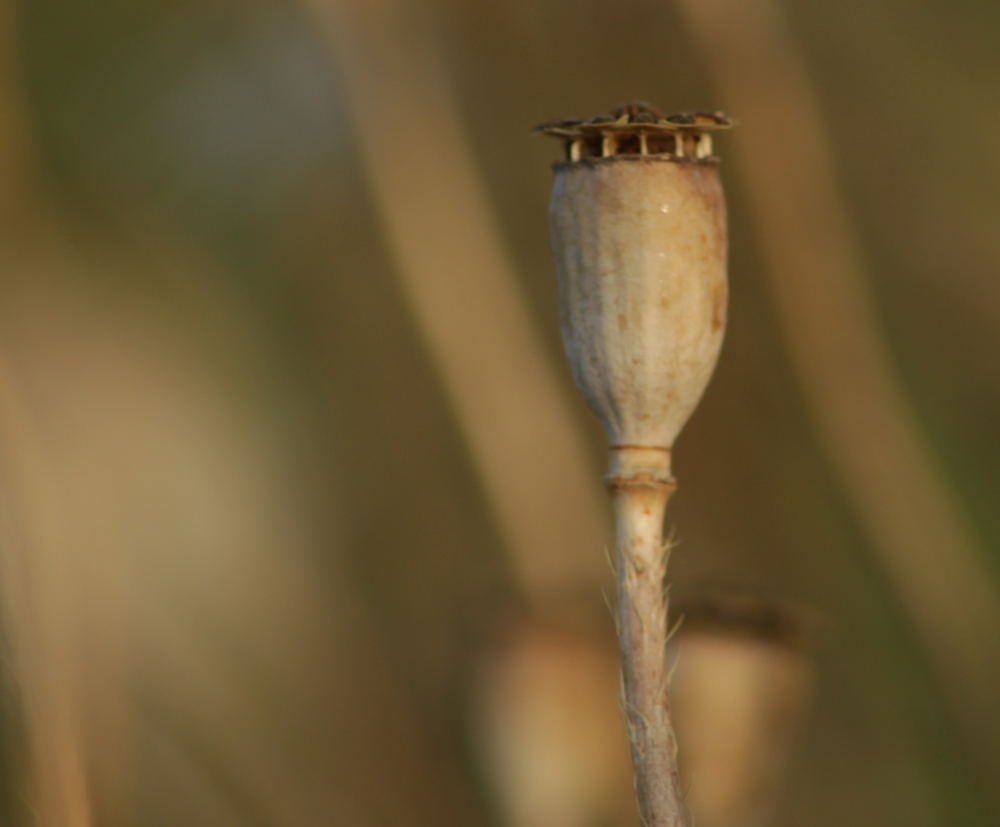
[(640, 500)]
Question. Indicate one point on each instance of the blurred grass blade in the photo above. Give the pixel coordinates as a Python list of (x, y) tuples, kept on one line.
[(862, 415), (517, 423)]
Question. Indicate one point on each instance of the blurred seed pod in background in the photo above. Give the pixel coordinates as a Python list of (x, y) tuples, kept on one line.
[(741, 690)]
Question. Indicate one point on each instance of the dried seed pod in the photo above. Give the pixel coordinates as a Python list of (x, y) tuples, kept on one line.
[(741, 689), (545, 725), (639, 239)]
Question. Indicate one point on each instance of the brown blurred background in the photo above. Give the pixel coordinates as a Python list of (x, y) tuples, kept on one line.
[(300, 514)]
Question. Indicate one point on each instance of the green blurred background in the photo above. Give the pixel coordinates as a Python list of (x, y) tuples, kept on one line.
[(251, 554)]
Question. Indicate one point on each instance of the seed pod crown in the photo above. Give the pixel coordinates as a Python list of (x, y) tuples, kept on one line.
[(637, 128)]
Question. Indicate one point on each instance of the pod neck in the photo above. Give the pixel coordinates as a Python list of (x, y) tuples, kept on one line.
[(638, 465)]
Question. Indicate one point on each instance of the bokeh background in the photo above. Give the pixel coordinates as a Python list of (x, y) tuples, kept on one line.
[(300, 514)]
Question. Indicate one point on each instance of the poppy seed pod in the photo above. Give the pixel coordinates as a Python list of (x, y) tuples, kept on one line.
[(638, 226), (639, 239), (740, 693)]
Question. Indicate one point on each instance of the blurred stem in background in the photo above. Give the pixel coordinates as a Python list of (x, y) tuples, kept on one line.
[(861, 413), (178, 656), (46, 758), (564, 765), (526, 445), (20, 210)]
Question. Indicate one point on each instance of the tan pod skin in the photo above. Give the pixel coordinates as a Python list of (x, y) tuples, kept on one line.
[(640, 251), (638, 226)]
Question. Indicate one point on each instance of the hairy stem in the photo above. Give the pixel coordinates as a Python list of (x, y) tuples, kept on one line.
[(642, 620)]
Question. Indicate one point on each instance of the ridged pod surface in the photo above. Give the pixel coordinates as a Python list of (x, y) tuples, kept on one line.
[(639, 243)]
